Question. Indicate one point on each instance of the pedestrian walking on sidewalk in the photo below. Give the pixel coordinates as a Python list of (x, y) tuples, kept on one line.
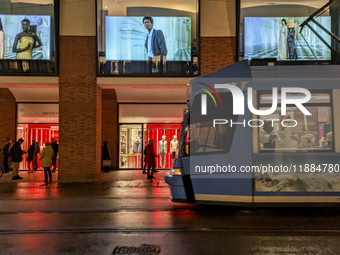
[(46, 158), (31, 156), (150, 159), (55, 147), (16, 156), (5, 151)]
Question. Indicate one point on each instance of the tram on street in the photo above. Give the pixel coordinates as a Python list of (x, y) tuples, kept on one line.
[(276, 152)]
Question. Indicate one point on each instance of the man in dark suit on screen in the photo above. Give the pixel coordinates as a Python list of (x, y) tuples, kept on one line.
[(155, 43)]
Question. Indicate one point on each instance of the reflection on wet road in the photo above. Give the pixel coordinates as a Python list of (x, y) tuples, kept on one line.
[(124, 209)]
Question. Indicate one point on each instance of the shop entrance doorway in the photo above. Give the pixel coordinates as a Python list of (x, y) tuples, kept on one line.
[(41, 133)]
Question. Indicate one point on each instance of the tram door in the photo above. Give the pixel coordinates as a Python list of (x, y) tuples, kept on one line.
[(41, 133)]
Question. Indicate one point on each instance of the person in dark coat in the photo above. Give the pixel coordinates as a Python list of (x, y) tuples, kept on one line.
[(145, 153), (5, 152), (106, 156), (31, 156), (55, 147), (16, 155), (150, 158), (37, 151)]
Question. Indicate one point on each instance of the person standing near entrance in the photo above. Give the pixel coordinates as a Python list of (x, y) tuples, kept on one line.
[(16, 155), (5, 151), (31, 156), (55, 147), (37, 150), (150, 159), (145, 153), (46, 158)]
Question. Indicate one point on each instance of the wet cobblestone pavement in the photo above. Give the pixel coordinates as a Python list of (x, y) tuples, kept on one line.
[(125, 209)]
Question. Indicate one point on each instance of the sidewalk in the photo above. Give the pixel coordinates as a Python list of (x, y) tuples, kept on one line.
[(120, 184), (105, 177)]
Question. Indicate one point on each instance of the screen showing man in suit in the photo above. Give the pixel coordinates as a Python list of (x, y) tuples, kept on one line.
[(155, 42), (144, 38)]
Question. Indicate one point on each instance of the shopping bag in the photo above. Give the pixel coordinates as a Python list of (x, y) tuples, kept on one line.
[(106, 162)]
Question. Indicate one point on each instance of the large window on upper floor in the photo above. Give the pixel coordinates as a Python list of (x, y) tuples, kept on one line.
[(279, 32), (28, 37), (153, 38)]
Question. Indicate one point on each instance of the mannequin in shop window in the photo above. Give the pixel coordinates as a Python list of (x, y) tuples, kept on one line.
[(163, 149), (137, 146), (137, 149), (174, 146)]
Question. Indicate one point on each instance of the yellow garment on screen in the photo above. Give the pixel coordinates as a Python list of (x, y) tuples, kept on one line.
[(27, 54), (23, 44)]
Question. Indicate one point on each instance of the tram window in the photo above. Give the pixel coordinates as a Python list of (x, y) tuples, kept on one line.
[(206, 139), (296, 132)]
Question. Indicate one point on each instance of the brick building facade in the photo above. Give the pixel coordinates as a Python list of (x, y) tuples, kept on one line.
[(88, 105)]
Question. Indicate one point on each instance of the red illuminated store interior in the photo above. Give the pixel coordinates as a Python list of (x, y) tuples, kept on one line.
[(39, 122), (160, 122)]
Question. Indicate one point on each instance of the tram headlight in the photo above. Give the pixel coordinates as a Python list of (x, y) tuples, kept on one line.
[(176, 171)]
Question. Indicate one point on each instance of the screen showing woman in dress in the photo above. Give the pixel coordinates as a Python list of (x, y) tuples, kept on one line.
[(280, 38), (25, 37)]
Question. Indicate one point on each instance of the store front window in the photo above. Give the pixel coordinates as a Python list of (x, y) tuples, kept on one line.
[(135, 137), (141, 122), (148, 38), (165, 138), (28, 32), (131, 148), (40, 133), (38, 122)]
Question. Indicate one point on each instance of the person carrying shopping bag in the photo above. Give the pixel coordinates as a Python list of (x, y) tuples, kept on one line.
[(46, 161)]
